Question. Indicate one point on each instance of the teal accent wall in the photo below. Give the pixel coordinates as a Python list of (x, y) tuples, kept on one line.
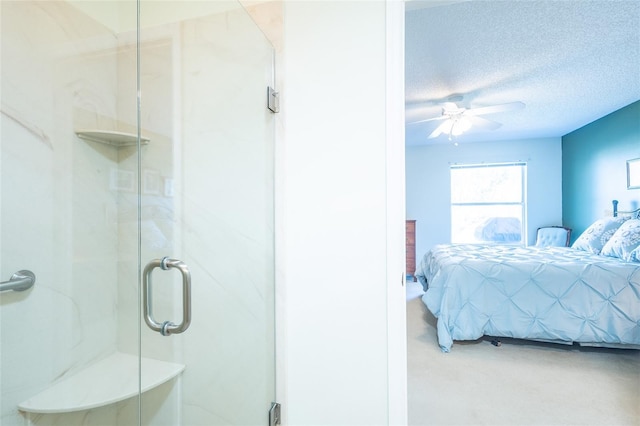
[(594, 168)]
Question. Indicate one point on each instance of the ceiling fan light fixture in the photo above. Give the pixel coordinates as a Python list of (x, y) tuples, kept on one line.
[(453, 129), (456, 126), (456, 130), (463, 124)]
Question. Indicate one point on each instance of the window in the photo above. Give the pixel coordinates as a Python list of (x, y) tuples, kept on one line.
[(488, 203)]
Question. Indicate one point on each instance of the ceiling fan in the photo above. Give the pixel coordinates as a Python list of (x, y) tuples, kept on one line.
[(456, 120)]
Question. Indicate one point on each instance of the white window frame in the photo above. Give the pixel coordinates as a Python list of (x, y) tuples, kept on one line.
[(522, 203)]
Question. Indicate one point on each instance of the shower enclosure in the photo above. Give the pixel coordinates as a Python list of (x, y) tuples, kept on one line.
[(137, 187)]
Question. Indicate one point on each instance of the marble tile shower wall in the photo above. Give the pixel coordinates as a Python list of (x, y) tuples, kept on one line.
[(59, 213)]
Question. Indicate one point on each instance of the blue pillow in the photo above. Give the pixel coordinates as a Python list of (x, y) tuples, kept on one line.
[(594, 238), (624, 241)]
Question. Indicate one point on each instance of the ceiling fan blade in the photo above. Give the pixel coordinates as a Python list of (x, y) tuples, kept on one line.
[(483, 123), (442, 117), (511, 106), (443, 127)]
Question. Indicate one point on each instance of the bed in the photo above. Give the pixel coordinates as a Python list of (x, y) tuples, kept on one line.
[(587, 294)]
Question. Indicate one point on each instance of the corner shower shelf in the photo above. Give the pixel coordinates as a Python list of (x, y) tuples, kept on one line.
[(105, 382), (111, 138)]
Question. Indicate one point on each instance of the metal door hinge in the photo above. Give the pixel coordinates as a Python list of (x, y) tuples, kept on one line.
[(274, 414), (273, 99)]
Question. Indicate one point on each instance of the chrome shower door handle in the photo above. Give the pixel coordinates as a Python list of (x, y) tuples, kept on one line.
[(167, 328)]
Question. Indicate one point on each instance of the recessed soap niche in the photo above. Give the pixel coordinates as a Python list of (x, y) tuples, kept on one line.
[(122, 180)]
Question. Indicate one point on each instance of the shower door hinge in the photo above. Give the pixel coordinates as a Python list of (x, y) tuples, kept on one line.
[(274, 414), (273, 99)]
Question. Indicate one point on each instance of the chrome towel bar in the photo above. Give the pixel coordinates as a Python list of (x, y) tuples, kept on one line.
[(20, 281)]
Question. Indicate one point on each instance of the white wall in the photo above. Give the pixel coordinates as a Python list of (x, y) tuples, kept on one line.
[(428, 188), (335, 216)]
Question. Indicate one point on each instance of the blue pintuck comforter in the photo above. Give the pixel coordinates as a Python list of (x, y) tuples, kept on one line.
[(555, 294)]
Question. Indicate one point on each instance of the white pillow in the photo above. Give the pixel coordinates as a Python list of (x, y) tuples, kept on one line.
[(596, 236), (624, 241)]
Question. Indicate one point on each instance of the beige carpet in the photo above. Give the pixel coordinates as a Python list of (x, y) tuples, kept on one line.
[(517, 383)]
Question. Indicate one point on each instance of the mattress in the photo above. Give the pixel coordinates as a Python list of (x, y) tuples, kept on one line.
[(554, 294)]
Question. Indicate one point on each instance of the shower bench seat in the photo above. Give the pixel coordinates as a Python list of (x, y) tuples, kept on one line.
[(105, 382)]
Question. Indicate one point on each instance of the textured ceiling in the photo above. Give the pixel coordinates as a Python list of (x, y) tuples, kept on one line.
[(571, 62)]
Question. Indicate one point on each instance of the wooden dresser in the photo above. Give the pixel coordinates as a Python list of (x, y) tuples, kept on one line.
[(411, 248)]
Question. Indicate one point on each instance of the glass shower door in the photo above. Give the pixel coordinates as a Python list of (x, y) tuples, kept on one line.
[(93, 188), (206, 215)]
